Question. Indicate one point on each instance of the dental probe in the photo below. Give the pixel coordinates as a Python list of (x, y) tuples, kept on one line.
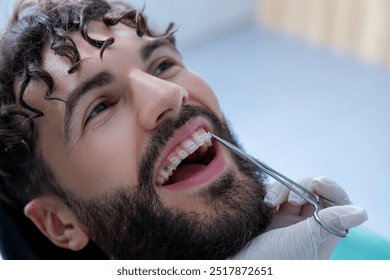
[(316, 200)]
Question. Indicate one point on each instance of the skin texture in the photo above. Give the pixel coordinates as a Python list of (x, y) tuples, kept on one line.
[(96, 148), (141, 102)]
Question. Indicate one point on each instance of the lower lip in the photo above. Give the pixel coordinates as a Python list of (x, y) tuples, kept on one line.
[(214, 169)]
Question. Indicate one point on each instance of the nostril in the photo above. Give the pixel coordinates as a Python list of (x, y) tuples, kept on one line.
[(172, 110), (185, 98), (162, 115), (166, 103)]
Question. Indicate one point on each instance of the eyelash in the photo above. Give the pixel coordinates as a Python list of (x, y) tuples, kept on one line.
[(97, 110), (167, 63)]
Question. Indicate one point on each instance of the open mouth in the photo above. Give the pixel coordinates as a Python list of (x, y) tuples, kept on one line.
[(187, 159)]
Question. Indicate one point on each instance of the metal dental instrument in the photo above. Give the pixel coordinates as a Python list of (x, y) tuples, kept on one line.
[(316, 200)]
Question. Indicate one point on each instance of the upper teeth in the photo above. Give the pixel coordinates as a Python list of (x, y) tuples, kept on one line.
[(200, 139)]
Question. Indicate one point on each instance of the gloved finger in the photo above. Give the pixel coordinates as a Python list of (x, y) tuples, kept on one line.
[(297, 241), (339, 218), (306, 239), (303, 211), (307, 210), (295, 198), (296, 204), (276, 194), (331, 190), (284, 219), (342, 217), (291, 242)]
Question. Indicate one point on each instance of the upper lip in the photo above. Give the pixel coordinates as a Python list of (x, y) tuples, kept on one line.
[(180, 135)]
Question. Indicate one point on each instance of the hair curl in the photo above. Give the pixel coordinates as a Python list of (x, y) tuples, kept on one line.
[(34, 26)]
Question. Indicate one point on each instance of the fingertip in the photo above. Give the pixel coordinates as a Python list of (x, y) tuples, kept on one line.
[(358, 212), (324, 180), (276, 194), (330, 189), (344, 217), (295, 198)]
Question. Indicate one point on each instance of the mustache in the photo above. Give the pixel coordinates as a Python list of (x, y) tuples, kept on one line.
[(166, 130), (142, 227)]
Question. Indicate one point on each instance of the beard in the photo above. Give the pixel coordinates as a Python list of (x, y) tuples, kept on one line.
[(137, 225)]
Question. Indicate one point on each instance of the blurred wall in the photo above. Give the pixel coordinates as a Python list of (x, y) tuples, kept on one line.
[(360, 27), (200, 20), (197, 20)]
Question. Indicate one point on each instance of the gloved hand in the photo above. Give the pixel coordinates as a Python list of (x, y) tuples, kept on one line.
[(294, 233)]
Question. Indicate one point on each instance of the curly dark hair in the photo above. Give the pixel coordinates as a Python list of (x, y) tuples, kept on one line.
[(33, 27)]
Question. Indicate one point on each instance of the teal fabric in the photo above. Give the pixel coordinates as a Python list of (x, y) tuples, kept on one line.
[(362, 244)]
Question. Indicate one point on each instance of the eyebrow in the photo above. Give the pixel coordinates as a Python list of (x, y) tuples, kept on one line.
[(99, 80), (148, 49)]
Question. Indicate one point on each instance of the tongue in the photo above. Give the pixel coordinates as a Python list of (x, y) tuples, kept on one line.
[(184, 171)]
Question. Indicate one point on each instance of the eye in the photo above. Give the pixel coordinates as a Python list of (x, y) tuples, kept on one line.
[(97, 110), (163, 67)]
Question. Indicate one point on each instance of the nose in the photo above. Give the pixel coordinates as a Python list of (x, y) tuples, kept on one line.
[(156, 99)]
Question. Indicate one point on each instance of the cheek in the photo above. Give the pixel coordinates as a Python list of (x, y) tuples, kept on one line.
[(112, 155), (105, 159), (200, 92)]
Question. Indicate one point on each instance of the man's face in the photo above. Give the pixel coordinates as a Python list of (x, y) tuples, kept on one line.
[(131, 134)]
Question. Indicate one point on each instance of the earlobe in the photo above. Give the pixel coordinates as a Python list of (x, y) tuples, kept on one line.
[(57, 223)]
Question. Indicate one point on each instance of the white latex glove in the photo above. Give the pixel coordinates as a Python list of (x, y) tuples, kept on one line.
[(294, 233)]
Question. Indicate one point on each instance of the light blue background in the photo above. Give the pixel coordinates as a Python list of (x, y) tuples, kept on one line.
[(306, 111)]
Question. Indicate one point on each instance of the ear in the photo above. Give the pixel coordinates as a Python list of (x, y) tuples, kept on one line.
[(54, 219)]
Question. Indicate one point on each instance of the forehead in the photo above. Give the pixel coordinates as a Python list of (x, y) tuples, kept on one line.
[(97, 31)]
